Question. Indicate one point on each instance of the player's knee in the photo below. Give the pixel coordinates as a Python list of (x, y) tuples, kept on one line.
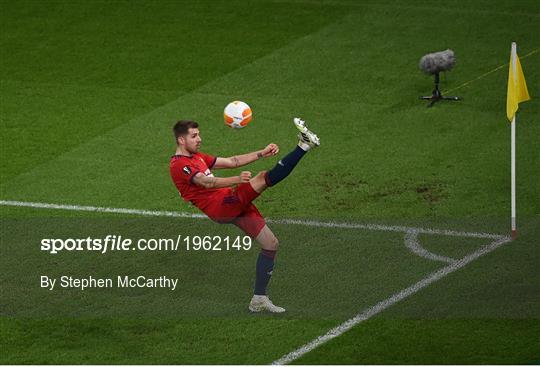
[(274, 243), (269, 243), (259, 182), (260, 176)]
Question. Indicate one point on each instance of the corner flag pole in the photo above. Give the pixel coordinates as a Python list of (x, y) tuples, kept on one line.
[(517, 93), (513, 173), (513, 58)]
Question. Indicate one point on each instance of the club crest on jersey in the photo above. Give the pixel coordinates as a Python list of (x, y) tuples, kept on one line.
[(187, 170)]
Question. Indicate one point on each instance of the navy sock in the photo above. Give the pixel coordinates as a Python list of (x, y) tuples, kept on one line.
[(284, 166), (265, 266)]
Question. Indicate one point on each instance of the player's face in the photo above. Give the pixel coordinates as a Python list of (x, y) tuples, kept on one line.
[(192, 141)]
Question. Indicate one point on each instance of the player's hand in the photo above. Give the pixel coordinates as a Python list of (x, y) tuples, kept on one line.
[(270, 150), (245, 176)]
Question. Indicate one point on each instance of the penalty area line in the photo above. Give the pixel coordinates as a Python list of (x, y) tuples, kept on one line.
[(307, 223), (395, 298)]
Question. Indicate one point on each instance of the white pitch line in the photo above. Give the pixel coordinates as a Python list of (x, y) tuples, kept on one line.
[(381, 306), (308, 223), (385, 228), (412, 243), (100, 209)]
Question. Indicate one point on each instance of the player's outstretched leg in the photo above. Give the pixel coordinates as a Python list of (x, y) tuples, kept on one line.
[(265, 266), (308, 140)]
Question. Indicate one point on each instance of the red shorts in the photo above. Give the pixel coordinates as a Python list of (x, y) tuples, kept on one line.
[(235, 206)]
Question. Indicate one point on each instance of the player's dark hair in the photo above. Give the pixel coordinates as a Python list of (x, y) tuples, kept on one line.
[(182, 127)]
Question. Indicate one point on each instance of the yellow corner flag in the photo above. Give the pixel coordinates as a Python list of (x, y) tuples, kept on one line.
[(517, 87)]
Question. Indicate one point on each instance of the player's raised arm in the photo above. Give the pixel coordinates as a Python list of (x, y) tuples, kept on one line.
[(241, 160), (209, 182)]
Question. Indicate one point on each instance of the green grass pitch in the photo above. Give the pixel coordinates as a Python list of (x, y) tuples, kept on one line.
[(90, 90)]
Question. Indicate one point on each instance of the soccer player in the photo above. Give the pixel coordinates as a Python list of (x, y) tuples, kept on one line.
[(229, 199)]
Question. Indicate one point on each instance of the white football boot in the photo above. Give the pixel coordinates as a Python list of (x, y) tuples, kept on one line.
[(308, 139), (263, 303)]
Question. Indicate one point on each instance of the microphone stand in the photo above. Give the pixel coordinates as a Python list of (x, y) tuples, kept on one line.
[(436, 95)]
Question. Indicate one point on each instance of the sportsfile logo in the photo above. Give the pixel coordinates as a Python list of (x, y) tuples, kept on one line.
[(109, 243)]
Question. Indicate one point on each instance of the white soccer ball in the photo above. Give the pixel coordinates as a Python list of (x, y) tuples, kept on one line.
[(237, 114)]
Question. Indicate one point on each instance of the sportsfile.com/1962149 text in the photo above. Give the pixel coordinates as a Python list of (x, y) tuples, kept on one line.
[(115, 243)]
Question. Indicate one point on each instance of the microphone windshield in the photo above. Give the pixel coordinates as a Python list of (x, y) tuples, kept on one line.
[(436, 62)]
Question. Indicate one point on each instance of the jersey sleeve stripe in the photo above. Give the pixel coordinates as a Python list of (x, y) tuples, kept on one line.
[(213, 162), (193, 176)]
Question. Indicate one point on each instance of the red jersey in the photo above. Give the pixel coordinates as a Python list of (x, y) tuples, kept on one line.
[(224, 205), (184, 168)]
